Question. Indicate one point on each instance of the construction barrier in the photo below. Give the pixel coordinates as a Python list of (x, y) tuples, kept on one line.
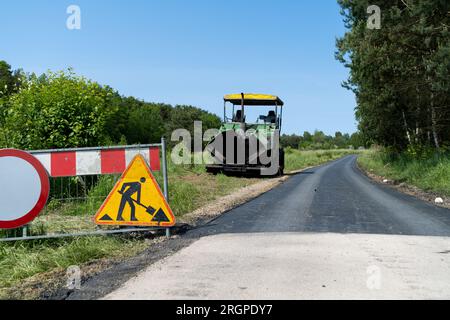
[(95, 161), (80, 179)]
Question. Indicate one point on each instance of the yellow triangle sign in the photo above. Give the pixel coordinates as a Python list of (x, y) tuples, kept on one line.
[(136, 200)]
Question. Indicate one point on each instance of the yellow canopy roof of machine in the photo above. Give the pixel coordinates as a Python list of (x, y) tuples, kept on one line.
[(254, 99)]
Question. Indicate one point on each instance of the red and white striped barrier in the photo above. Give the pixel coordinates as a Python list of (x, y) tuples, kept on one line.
[(95, 161)]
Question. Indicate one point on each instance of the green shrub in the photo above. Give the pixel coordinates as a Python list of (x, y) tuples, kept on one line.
[(59, 110)]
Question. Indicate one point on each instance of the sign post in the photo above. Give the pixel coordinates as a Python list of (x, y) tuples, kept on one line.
[(165, 176)]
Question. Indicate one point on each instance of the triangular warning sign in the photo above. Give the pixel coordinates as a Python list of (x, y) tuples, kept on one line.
[(136, 200)]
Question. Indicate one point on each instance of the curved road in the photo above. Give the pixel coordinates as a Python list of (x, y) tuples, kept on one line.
[(326, 233), (335, 197)]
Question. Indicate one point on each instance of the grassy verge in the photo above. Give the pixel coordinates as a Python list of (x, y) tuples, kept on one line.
[(190, 188), (429, 174), (23, 260), (296, 160)]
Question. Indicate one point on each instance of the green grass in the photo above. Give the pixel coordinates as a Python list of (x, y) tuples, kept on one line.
[(429, 174), (297, 159), (190, 187), (22, 260)]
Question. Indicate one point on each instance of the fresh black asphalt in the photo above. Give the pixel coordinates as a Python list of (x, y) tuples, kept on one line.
[(336, 198)]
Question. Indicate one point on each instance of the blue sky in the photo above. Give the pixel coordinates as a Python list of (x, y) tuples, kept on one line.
[(193, 52)]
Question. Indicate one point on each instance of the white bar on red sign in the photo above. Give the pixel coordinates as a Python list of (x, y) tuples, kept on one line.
[(131, 153), (45, 160), (88, 163)]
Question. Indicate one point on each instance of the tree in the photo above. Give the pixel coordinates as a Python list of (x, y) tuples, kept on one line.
[(356, 140), (183, 117), (9, 80), (318, 137), (145, 124), (290, 141), (399, 73), (59, 110), (340, 141)]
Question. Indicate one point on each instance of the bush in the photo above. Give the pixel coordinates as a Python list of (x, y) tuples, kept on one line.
[(145, 125), (62, 110), (58, 110)]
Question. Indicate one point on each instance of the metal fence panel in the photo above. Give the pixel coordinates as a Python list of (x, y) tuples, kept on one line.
[(80, 181)]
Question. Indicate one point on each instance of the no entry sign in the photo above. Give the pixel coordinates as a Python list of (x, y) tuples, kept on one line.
[(24, 188)]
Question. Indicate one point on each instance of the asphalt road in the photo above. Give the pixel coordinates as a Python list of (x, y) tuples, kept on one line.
[(326, 233), (337, 198)]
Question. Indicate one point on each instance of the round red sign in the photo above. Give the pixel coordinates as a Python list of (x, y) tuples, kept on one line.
[(24, 188)]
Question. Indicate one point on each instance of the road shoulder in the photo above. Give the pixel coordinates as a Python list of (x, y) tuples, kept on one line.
[(404, 188)]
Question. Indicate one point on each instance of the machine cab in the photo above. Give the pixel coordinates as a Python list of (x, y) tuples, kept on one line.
[(239, 104)]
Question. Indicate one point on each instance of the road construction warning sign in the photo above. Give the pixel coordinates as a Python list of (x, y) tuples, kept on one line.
[(136, 200)]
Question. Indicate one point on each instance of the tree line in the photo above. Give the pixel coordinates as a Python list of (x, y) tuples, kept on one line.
[(320, 141), (63, 110), (400, 73)]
